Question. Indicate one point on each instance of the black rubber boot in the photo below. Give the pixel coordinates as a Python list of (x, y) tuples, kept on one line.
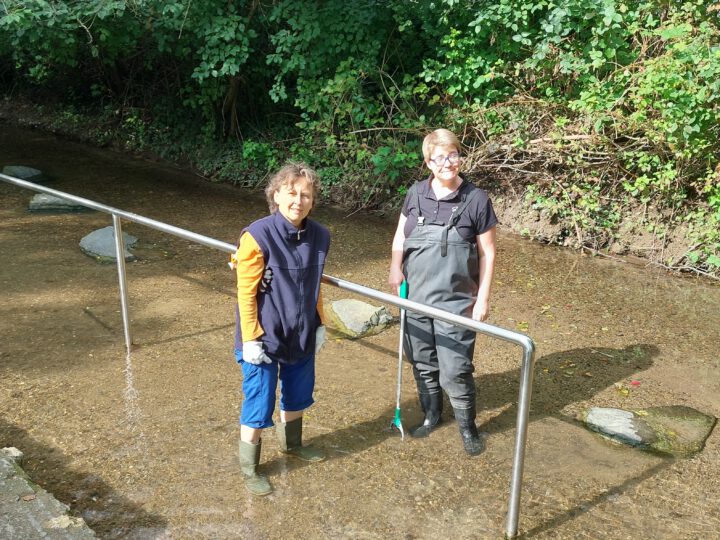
[(290, 437), (432, 407), (249, 459), (472, 441)]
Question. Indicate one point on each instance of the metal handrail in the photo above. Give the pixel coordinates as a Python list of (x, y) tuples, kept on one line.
[(527, 371), (528, 360)]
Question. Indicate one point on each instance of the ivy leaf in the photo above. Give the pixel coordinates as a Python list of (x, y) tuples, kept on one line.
[(674, 32)]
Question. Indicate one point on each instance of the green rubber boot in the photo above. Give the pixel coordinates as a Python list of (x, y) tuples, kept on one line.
[(249, 460), (290, 436)]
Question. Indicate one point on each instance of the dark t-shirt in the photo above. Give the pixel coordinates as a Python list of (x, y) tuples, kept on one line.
[(478, 218)]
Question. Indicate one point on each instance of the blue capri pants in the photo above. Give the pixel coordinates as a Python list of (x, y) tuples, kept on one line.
[(297, 382)]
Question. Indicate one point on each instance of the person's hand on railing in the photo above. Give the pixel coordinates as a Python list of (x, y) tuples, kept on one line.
[(481, 310), (253, 353)]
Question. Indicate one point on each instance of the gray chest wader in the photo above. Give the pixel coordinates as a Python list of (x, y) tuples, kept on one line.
[(442, 270)]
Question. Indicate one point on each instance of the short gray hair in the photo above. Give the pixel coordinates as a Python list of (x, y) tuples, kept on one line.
[(290, 172)]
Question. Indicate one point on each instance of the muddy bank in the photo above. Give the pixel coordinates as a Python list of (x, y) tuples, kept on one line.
[(145, 446)]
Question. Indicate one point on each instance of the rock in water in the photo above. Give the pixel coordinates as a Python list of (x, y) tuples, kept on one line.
[(24, 173), (673, 430), (355, 319), (45, 203), (619, 425), (100, 245), (681, 431)]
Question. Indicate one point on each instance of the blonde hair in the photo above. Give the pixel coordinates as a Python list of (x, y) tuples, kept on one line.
[(439, 137), (287, 175)]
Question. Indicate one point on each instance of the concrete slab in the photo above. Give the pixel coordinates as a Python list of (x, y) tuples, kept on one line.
[(27, 511)]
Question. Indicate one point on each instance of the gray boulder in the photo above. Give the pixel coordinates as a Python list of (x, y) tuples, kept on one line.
[(355, 319), (45, 203), (24, 173), (674, 430), (100, 245)]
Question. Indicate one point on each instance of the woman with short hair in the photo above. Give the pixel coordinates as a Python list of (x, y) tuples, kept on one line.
[(444, 247), (279, 330)]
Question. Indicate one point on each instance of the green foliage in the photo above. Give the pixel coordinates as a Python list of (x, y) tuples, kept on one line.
[(503, 46), (705, 233), (40, 37), (595, 107), (128, 49), (258, 158), (392, 162), (312, 38)]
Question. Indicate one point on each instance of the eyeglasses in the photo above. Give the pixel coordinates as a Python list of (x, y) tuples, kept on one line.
[(452, 158)]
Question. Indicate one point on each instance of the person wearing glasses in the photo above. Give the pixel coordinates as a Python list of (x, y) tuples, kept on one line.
[(279, 317), (444, 247)]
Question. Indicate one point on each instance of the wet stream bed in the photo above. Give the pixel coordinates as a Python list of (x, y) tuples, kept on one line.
[(145, 446)]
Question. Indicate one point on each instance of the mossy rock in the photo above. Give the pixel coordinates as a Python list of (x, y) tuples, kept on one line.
[(674, 430), (354, 319), (680, 430)]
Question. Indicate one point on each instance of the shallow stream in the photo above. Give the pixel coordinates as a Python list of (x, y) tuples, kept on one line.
[(145, 446)]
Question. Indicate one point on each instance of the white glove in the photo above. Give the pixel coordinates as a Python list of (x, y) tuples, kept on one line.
[(253, 353), (319, 338)]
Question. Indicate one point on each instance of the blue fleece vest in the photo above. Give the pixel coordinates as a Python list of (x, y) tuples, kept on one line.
[(287, 305)]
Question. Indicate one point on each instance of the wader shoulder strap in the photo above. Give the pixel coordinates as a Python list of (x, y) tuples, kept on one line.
[(414, 191), (467, 198)]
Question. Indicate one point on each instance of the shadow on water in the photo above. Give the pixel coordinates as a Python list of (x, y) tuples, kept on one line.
[(554, 387), (587, 506), (180, 337), (340, 443), (561, 378), (107, 512)]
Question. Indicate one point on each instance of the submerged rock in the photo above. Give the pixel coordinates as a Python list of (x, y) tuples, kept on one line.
[(623, 426), (25, 173), (100, 245), (673, 430), (355, 319), (45, 203)]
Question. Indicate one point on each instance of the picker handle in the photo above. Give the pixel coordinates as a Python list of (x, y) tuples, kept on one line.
[(403, 289), (397, 422)]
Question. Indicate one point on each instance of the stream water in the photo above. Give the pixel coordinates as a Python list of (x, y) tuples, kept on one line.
[(144, 446)]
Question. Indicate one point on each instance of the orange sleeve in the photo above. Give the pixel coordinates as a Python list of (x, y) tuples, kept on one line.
[(250, 267), (321, 307)]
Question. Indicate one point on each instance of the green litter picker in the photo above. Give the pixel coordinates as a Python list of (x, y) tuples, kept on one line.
[(397, 421)]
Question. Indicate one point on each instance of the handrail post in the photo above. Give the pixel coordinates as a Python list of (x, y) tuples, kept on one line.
[(527, 371), (120, 255)]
